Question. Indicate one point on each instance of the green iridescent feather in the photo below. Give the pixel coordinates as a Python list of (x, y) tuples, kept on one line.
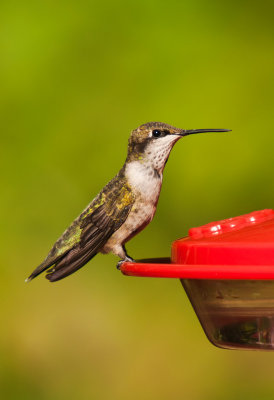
[(91, 230)]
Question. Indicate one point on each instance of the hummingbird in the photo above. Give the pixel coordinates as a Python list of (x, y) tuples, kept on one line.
[(123, 208)]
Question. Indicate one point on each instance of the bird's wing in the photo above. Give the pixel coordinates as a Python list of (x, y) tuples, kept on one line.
[(89, 232)]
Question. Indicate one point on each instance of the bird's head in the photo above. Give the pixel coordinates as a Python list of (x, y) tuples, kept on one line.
[(153, 141)]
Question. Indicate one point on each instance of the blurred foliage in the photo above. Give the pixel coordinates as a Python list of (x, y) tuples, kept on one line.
[(75, 78)]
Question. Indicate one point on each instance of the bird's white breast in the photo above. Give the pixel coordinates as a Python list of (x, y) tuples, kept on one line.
[(144, 180), (145, 183)]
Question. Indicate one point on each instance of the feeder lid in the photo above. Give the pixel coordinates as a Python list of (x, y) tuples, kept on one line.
[(235, 248)]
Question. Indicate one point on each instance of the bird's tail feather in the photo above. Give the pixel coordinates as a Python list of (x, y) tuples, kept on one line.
[(68, 265), (41, 268), (64, 265)]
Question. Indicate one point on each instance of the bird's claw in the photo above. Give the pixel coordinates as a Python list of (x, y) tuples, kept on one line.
[(127, 259)]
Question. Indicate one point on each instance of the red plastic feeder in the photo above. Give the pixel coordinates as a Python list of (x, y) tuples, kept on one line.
[(227, 271)]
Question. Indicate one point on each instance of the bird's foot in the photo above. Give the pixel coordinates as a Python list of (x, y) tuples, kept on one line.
[(126, 259)]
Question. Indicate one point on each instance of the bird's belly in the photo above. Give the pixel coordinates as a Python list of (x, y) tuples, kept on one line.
[(138, 218)]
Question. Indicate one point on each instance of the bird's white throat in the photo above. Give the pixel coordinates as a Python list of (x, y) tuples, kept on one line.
[(145, 175), (158, 151)]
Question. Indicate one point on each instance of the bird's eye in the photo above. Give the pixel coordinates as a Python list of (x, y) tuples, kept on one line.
[(156, 133)]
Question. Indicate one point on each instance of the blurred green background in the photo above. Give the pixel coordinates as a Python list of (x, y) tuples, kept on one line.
[(76, 78)]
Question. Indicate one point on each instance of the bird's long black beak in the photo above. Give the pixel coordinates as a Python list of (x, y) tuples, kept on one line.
[(192, 131)]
